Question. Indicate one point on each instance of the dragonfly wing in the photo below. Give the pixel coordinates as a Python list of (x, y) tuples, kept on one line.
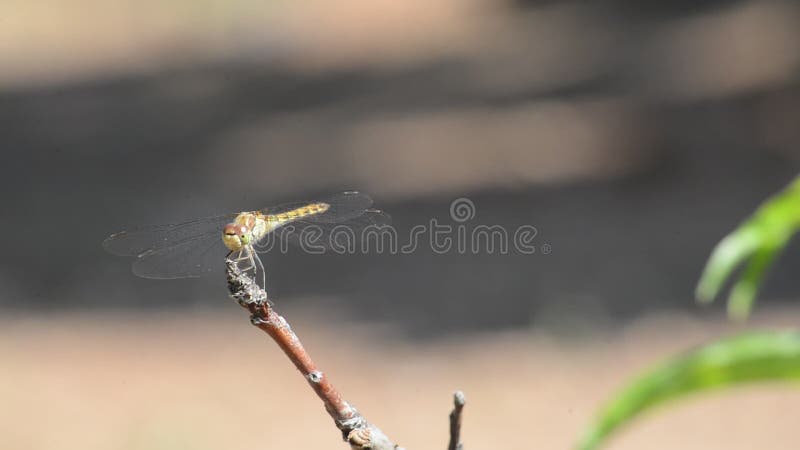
[(190, 258), (342, 207), (138, 241), (328, 235)]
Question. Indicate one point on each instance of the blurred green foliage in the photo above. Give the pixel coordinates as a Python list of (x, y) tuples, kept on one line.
[(750, 357), (760, 238)]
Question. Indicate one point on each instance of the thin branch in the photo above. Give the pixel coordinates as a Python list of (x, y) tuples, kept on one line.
[(355, 429), (455, 421)]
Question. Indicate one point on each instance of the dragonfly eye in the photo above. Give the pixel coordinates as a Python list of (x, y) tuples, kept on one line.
[(233, 229)]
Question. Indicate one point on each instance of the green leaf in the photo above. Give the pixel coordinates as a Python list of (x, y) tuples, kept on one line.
[(761, 238), (745, 358)]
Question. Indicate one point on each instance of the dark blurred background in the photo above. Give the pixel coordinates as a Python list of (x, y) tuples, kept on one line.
[(632, 134)]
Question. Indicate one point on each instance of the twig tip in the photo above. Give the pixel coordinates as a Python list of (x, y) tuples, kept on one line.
[(459, 399)]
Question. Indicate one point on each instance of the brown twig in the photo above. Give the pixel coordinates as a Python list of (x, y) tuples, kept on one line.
[(355, 429), (455, 421)]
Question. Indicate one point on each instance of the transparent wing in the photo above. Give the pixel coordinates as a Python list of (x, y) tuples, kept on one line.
[(347, 221), (329, 236), (138, 241), (342, 207), (189, 258), (194, 248), (181, 250)]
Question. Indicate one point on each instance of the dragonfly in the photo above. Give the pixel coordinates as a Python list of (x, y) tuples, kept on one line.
[(196, 247)]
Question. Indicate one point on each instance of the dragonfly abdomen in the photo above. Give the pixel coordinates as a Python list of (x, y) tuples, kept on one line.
[(267, 223), (298, 213)]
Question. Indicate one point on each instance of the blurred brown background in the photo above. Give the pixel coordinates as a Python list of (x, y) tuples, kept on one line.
[(632, 135)]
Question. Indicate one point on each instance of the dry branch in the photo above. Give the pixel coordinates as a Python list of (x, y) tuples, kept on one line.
[(455, 421), (356, 430)]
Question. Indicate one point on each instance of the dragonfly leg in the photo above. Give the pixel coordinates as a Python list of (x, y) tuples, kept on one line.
[(233, 258), (254, 264), (240, 256), (251, 258), (261, 268)]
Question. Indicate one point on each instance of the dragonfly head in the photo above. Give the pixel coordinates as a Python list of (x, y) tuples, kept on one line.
[(236, 236)]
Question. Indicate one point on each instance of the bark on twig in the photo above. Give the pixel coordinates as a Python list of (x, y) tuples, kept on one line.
[(455, 421), (355, 429)]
